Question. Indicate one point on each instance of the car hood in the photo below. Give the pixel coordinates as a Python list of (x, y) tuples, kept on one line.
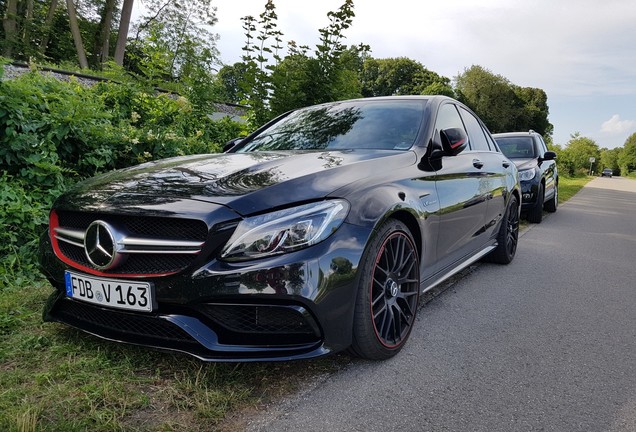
[(245, 182), (524, 163)]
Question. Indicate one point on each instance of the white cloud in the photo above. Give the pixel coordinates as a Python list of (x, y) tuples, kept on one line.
[(616, 126)]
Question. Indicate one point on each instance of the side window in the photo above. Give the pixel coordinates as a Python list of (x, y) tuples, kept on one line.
[(447, 117), (492, 142), (476, 136), (542, 145)]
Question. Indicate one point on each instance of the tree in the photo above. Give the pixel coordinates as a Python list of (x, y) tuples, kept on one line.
[(298, 79), (398, 76), (77, 36), (229, 78), (174, 42), (535, 110), (329, 52), (292, 83), (575, 158), (610, 158), (503, 106), (9, 24), (260, 48), (491, 97), (48, 24), (122, 33), (438, 88), (627, 158), (102, 41)]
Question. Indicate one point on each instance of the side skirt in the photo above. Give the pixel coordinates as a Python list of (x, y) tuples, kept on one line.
[(436, 280)]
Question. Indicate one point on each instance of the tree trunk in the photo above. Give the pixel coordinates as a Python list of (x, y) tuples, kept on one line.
[(122, 35), (26, 32), (104, 36), (77, 36), (48, 23), (10, 27)]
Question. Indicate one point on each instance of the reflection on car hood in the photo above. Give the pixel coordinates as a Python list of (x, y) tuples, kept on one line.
[(245, 182), (524, 163)]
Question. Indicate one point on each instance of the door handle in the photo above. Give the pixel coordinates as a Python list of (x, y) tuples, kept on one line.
[(505, 164), (477, 163)]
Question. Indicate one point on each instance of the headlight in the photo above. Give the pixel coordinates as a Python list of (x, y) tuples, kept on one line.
[(527, 174), (285, 230)]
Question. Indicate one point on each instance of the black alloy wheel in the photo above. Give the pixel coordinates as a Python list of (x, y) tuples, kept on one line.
[(388, 293), (508, 235)]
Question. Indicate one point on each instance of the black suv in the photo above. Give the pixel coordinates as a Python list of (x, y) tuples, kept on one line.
[(537, 171)]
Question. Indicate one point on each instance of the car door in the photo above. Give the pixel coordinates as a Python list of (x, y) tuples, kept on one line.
[(493, 171), (549, 169), (463, 200)]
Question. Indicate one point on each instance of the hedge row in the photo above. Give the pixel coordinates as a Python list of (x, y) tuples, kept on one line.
[(54, 133)]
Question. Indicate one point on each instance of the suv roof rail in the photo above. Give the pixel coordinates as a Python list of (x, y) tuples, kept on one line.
[(531, 131)]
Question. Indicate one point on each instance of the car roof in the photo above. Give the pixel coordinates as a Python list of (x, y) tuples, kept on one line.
[(515, 134)]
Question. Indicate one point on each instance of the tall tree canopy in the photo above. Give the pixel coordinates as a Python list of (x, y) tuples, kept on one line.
[(398, 76), (503, 106)]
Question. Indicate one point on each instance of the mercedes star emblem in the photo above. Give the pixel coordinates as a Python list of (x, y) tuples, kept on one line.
[(100, 244)]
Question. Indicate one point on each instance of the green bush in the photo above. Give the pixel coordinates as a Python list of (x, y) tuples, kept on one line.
[(54, 133)]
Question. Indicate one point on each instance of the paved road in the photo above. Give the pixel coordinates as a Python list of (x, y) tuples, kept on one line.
[(547, 343)]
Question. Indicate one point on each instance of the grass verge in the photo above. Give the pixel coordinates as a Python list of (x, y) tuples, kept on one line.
[(54, 378), (569, 186)]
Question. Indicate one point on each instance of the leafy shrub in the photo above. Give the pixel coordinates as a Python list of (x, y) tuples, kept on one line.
[(54, 133)]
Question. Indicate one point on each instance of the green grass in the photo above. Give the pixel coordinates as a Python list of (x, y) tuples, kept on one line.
[(55, 378), (569, 186)]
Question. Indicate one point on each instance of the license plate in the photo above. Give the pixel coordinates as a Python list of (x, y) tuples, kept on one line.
[(114, 293)]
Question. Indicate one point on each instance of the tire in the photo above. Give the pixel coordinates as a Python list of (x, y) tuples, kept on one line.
[(508, 235), (552, 204), (388, 293), (536, 214)]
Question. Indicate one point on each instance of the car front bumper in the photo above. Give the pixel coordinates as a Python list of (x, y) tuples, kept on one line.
[(529, 194), (293, 306)]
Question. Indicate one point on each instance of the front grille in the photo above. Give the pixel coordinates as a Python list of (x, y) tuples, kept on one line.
[(143, 264), (143, 226), (148, 228)]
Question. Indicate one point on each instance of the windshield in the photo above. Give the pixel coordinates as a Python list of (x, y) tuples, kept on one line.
[(387, 125), (517, 147)]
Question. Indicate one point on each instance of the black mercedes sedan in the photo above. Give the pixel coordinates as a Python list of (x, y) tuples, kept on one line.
[(315, 234)]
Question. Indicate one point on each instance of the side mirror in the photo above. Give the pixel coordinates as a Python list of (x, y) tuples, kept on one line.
[(549, 155), (231, 144), (454, 141)]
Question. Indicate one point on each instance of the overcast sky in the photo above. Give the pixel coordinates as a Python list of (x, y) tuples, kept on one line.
[(581, 52)]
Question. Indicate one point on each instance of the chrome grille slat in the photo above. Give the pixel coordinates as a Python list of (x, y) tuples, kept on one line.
[(133, 245), (69, 241)]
